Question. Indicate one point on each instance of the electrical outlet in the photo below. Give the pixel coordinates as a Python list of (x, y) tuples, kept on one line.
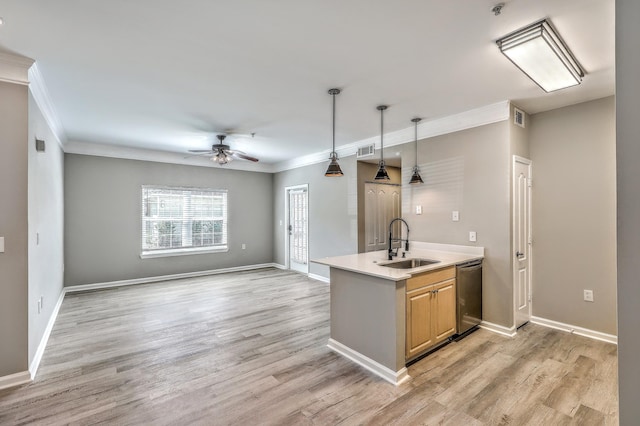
[(455, 215), (588, 295), (418, 209), (244, 246), (472, 236)]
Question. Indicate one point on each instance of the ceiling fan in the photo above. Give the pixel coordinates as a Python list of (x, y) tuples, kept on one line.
[(222, 154)]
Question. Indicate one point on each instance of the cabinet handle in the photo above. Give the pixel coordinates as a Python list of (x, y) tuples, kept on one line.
[(434, 291)]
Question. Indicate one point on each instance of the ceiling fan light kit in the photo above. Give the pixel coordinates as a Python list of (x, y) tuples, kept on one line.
[(540, 53), (382, 170), (221, 158), (334, 169), (415, 177), (223, 154)]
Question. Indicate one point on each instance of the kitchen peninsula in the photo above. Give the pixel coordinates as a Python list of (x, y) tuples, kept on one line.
[(372, 322)]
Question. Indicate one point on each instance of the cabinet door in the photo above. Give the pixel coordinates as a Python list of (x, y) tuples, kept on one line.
[(419, 321), (444, 310)]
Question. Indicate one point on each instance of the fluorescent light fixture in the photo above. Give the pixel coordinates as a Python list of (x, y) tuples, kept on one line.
[(543, 56)]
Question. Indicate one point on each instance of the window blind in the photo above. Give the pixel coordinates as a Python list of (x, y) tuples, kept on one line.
[(176, 219)]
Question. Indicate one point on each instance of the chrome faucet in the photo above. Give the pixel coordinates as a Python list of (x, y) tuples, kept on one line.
[(391, 239)]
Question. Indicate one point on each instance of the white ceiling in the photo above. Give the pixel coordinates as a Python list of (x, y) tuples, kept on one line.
[(167, 75)]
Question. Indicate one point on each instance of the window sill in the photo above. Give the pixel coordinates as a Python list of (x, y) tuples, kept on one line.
[(182, 252)]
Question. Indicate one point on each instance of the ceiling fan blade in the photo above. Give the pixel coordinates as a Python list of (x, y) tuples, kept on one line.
[(199, 150), (242, 156)]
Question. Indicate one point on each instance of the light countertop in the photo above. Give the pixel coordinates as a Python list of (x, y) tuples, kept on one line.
[(369, 263)]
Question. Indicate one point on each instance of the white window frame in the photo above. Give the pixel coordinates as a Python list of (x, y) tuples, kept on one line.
[(146, 253)]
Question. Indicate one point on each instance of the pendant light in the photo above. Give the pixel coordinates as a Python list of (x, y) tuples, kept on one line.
[(382, 171), (334, 168), (415, 177)]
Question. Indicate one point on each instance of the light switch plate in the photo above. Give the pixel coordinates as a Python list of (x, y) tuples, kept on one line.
[(1, 244), (418, 209), (455, 215), (472, 236)]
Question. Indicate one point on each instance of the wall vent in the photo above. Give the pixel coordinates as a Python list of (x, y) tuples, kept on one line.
[(366, 151), (39, 145), (518, 117)]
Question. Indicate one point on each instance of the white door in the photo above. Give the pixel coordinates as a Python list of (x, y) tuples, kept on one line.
[(298, 228), (522, 239), (381, 204)]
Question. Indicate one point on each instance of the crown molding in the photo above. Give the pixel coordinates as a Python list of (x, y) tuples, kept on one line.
[(128, 153), (487, 114), (41, 95), (14, 68)]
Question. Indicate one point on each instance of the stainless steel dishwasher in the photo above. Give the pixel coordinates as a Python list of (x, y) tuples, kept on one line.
[(469, 296)]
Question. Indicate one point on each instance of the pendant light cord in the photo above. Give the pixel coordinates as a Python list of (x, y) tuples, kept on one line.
[(381, 108), (381, 134), (333, 152), (416, 121), (416, 139)]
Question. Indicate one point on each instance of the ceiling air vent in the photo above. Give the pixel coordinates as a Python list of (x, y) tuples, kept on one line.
[(366, 151), (518, 117)]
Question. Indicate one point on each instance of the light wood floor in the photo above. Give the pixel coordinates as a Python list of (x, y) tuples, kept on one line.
[(249, 349)]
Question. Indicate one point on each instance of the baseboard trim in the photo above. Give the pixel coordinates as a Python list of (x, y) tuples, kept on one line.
[(573, 329), (278, 266), (35, 363), (318, 278), (15, 379), (393, 377), (111, 284), (500, 329)]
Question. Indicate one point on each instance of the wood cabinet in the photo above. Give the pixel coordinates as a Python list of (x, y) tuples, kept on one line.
[(430, 310)]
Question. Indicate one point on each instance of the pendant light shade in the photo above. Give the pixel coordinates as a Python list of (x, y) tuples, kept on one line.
[(415, 177), (382, 170), (334, 168)]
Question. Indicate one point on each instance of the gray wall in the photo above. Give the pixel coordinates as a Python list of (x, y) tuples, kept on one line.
[(574, 214), (102, 218), (13, 227), (333, 221), (628, 203), (468, 171), (46, 225)]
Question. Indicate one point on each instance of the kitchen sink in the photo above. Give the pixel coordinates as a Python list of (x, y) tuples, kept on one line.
[(410, 263)]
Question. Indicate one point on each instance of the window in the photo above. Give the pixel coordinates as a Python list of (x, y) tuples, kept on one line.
[(183, 220)]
